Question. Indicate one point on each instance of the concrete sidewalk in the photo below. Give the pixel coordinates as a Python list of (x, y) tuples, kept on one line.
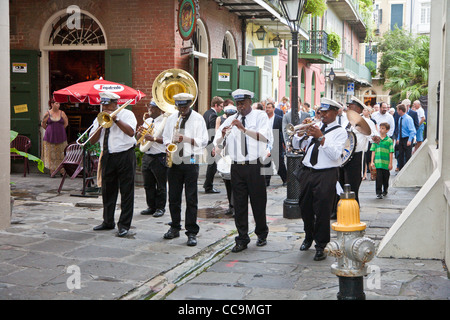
[(51, 252)]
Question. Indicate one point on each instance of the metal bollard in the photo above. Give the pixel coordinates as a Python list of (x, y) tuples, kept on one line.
[(351, 249)]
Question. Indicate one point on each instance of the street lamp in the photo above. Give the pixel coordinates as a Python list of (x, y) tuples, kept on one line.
[(277, 41), (293, 12), (331, 76)]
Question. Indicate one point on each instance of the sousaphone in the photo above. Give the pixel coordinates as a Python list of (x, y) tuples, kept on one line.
[(169, 83)]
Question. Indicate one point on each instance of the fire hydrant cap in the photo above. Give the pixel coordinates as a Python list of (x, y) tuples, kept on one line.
[(347, 194)]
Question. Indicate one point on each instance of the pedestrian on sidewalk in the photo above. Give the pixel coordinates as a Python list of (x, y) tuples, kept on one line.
[(382, 155), (247, 140), (118, 164)]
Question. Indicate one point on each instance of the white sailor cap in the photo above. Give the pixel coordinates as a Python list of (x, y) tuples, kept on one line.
[(328, 104), (354, 100), (230, 109), (183, 99), (242, 94), (106, 97)]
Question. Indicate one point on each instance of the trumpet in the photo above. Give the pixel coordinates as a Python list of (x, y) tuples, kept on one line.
[(300, 128), (148, 130), (172, 147), (104, 120)]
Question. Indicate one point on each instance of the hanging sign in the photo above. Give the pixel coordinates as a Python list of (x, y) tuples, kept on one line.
[(20, 108), (187, 18), (265, 52)]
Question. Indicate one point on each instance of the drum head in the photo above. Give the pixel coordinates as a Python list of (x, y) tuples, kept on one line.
[(349, 148), (224, 167)]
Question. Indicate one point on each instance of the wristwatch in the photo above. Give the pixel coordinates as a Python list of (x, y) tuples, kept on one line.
[(320, 138)]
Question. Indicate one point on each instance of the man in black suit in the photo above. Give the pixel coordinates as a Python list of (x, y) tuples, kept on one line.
[(210, 117), (276, 122)]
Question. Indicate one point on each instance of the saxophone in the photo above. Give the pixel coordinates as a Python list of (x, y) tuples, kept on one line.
[(172, 147)]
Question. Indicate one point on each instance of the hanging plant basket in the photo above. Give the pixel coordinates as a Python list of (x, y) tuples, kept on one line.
[(334, 43), (315, 8)]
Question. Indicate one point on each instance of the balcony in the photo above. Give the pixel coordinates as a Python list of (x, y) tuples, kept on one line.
[(347, 68), (348, 10), (315, 50)]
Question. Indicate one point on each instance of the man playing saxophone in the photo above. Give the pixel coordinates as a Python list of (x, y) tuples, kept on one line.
[(187, 129), (154, 170)]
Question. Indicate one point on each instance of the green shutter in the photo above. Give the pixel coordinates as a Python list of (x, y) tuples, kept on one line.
[(24, 91), (224, 77), (249, 79), (118, 66)]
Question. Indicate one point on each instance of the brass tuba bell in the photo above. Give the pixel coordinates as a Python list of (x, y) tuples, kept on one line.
[(169, 83)]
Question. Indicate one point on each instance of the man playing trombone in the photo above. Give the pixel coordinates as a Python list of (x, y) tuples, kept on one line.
[(154, 170), (118, 162)]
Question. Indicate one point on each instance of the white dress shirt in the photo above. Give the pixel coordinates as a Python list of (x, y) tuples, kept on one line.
[(118, 140), (194, 128), (330, 153), (387, 117), (256, 120), (156, 147)]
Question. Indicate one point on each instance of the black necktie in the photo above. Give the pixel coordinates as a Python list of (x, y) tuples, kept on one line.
[(182, 124), (400, 128), (315, 151), (244, 140), (105, 141), (340, 119)]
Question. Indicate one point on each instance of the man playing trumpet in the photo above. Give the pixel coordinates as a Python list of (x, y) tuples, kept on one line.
[(154, 170)]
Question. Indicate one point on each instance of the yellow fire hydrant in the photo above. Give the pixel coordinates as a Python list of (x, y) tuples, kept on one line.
[(351, 249)]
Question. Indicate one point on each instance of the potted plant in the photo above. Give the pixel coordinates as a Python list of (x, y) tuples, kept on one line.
[(334, 43), (315, 7)]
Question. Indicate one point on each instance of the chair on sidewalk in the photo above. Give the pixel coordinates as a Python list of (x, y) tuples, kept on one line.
[(21, 143), (72, 163), (74, 127)]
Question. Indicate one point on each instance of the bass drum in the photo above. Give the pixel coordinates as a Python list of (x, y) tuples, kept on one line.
[(224, 167), (349, 148)]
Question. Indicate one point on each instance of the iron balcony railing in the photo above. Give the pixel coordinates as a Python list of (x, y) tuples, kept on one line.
[(353, 69), (317, 44)]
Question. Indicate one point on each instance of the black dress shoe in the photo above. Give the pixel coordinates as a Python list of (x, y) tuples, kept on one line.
[(320, 255), (158, 213), (122, 232), (103, 226), (192, 240), (229, 212), (305, 245), (172, 233), (239, 247), (213, 190), (148, 211), (261, 242)]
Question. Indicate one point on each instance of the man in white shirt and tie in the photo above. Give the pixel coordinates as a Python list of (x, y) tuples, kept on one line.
[(248, 134), (191, 137), (319, 176)]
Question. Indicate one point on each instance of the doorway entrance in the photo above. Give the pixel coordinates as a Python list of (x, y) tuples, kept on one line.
[(70, 67)]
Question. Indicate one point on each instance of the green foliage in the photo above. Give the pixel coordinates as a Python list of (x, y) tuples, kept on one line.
[(40, 163), (315, 8), (372, 68), (334, 43), (366, 11), (406, 73), (92, 148), (139, 156)]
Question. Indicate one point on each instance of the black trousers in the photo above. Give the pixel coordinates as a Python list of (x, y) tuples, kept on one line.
[(316, 200), (351, 173), (209, 179), (154, 173), (118, 170), (183, 175), (281, 170), (404, 152), (229, 193), (247, 181), (382, 181)]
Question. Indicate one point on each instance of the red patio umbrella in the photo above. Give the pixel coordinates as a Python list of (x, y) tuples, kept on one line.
[(88, 92)]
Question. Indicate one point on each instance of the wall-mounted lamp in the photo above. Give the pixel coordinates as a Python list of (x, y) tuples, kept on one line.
[(261, 33), (277, 41)]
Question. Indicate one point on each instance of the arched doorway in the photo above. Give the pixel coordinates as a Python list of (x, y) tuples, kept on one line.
[(370, 98), (71, 53), (200, 61)]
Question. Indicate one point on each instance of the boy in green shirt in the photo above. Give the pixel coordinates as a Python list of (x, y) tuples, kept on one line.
[(382, 160)]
